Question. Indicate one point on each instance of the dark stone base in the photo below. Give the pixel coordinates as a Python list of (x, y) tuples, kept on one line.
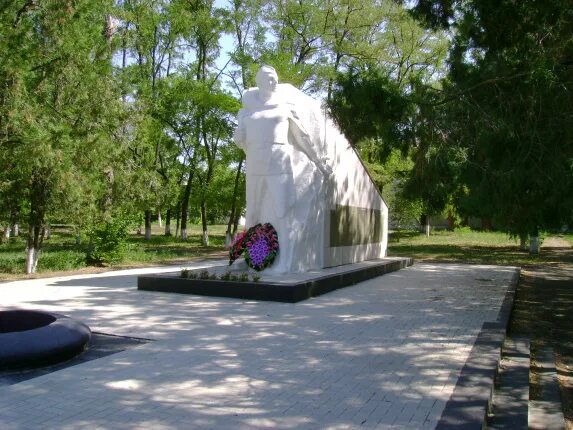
[(100, 345), (288, 292), (34, 338)]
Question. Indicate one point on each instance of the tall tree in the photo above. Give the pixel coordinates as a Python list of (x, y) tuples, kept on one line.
[(312, 41), (376, 101), (58, 110), (492, 139), (510, 103), (206, 26), (151, 33)]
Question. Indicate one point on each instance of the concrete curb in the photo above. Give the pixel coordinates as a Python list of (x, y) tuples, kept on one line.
[(288, 292), (468, 405)]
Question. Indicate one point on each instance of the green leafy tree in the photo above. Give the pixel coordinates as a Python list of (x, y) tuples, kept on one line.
[(58, 110), (151, 33), (211, 105), (311, 42), (378, 103), (509, 105)]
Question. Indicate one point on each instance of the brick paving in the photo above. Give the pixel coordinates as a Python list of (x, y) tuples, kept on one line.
[(383, 354)]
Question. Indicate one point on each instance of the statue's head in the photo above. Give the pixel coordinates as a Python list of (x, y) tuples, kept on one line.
[(267, 78)]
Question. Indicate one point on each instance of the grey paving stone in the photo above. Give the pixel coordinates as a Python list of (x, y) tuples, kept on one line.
[(226, 363)]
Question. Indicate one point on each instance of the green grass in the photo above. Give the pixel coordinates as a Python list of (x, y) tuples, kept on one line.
[(465, 246), (60, 252)]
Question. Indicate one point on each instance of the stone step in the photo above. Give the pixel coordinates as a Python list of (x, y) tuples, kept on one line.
[(509, 408), (545, 410), (468, 405)]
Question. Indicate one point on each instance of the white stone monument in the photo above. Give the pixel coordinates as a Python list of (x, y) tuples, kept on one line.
[(305, 179)]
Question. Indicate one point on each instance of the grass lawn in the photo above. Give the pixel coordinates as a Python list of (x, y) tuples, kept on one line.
[(60, 252), (467, 246)]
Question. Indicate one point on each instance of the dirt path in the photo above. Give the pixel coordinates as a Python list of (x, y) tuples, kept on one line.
[(543, 310), (555, 242)]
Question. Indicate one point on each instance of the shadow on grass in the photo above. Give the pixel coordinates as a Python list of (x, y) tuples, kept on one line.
[(497, 255), (192, 241), (62, 253), (181, 251), (395, 236), (165, 247)]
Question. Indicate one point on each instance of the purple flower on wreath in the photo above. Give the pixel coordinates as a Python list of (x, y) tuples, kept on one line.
[(258, 251), (260, 245)]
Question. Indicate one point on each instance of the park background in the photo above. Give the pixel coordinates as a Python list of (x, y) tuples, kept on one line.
[(116, 117)]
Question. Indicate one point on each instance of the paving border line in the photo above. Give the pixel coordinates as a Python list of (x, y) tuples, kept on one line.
[(471, 399)]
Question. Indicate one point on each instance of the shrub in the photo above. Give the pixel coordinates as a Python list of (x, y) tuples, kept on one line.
[(61, 260), (108, 242)]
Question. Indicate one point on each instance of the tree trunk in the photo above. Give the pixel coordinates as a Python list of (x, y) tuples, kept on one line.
[(6, 233), (14, 218), (78, 236), (451, 222), (38, 203), (159, 219), (107, 199), (534, 242), (177, 219), (534, 245), (31, 260), (48, 231), (425, 224), (147, 224), (236, 221), (228, 235), (523, 242), (168, 222), (185, 208), (486, 223), (205, 237), (35, 239)]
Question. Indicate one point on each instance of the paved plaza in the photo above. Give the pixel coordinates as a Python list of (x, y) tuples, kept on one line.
[(385, 353)]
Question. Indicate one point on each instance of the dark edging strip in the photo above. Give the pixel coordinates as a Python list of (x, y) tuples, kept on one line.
[(468, 405), (269, 291)]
